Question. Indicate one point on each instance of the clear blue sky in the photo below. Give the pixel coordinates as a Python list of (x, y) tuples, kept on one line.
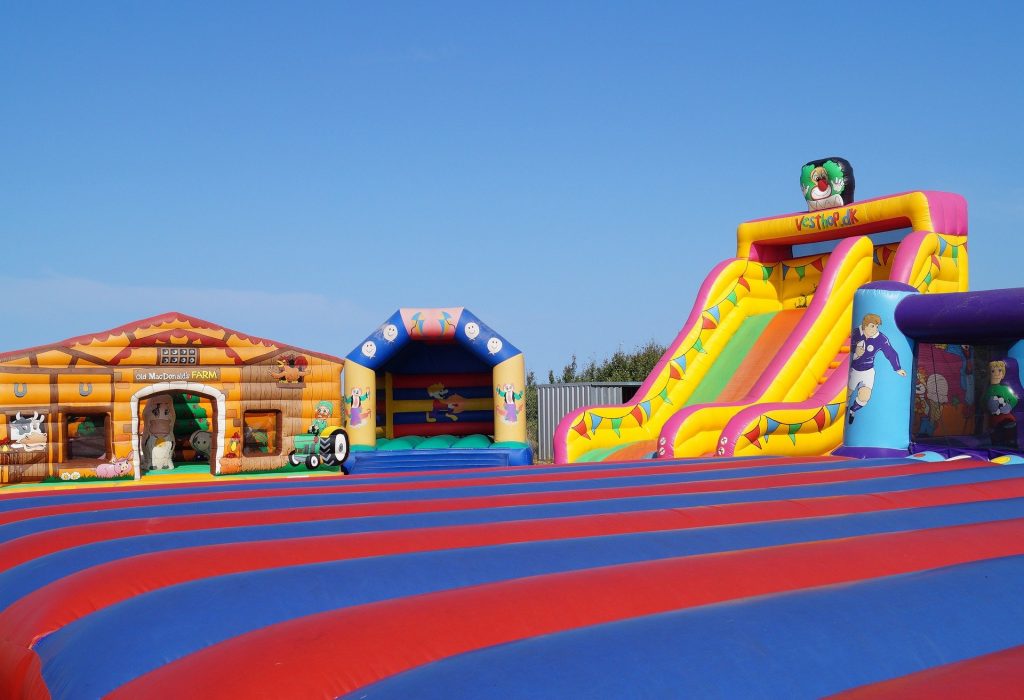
[(568, 171)]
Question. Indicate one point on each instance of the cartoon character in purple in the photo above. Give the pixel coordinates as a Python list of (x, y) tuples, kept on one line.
[(509, 409), (356, 412), (867, 342)]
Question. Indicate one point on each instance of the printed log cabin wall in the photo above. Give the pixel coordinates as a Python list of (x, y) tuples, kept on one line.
[(79, 406)]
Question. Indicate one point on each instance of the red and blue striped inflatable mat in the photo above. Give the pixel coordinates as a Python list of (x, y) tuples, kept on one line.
[(775, 577)]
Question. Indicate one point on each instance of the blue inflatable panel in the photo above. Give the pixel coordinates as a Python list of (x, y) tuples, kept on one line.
[(805, 644), (196, 614)]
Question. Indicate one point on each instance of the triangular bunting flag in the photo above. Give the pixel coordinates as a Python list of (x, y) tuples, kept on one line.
[(674, 370), (928, 278), (800, 271), (818, 265), (785, 268), (767, 271), (956, 250), (646, 405), (886, 254), (732, 297), (596, 420), (715, 313), (772, 425), (616, 422), (935, 261), (942, 245), (743, 283), (638, 414), (874, 258), (833, 411), (753, 435), (819, 418), (699, 346), (794, 428), (581, 427), (707, 323)]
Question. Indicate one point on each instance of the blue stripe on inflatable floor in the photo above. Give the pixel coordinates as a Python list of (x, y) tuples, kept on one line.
[(21, 580), (804, 644), (411, 476), (193, 615), (21, 528)]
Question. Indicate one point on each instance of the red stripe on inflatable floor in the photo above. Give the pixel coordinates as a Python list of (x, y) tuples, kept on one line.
[(60, 603), (333, 653), (345, 486), (49, 608), (29, 547), (143, 488), (990, 677)]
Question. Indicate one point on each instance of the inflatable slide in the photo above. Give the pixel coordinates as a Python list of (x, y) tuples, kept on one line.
[(761, 362)]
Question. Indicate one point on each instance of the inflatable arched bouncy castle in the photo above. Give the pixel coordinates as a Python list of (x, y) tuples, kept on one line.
[(963, 399), (761, 362), (428, 388)]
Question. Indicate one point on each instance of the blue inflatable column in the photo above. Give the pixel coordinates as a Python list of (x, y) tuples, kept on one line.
[(881, 380)]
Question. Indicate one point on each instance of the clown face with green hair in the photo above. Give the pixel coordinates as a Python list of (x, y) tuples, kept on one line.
[(823, 185)]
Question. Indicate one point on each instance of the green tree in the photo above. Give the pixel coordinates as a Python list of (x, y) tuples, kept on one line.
[(622, 366)]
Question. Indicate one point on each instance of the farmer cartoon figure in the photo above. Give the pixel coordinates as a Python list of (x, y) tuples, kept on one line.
[(324, 410), (867, 342)]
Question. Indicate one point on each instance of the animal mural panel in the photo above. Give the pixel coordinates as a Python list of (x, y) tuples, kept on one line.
[(27, 433), (158, 433), (827, 183)]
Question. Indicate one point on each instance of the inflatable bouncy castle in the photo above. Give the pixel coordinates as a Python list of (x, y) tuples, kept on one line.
[(961, 356), (760, 366), (435, 386)]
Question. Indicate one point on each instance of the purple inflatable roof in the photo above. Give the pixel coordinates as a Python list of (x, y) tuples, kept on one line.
[(967, 317)]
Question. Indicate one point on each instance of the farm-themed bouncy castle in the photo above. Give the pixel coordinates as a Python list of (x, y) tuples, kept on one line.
[(965, 352), (435, 386), (761, 363), (157, 394)]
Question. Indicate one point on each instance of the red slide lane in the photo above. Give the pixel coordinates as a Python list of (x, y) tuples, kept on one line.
[(336, 652), (997, 676), (198, 496), (64, 601), (23, 549)]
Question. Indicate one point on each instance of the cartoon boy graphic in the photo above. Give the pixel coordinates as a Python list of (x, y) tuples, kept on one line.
[(1000, 401), (867, 342), (443, 406)]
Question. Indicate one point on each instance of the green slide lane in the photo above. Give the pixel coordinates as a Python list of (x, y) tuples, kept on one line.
[(730, 359)]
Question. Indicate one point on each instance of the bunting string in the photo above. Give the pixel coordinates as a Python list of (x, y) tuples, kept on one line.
[(767, 427)]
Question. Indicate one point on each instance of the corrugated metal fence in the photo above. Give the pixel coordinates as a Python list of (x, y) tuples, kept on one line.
[(554, 401)]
